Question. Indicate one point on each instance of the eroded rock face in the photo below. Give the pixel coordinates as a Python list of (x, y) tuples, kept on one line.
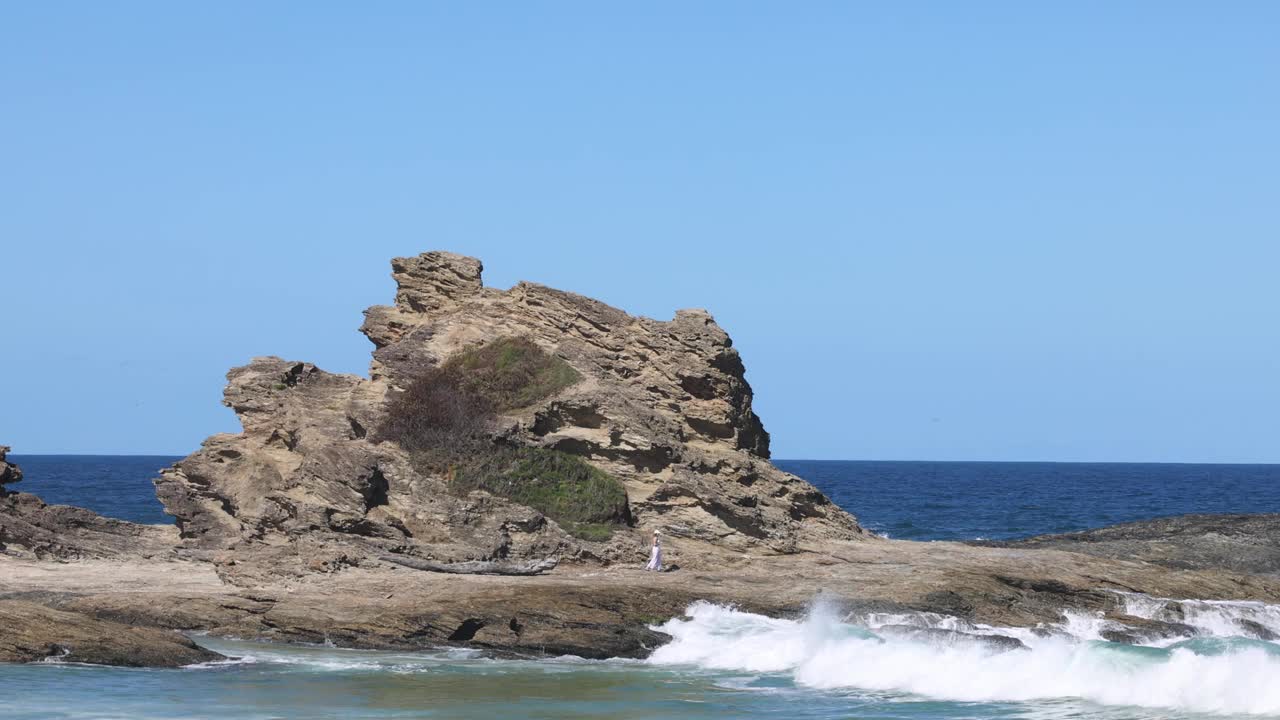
[(663, 406)]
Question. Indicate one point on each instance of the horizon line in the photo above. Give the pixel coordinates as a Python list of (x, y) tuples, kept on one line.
[(13, 454)]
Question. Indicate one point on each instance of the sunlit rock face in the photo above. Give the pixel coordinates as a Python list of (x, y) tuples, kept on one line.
[(664, 407)]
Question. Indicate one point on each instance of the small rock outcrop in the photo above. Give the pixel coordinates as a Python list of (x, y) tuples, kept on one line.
[(940, 637), (31, 528), (1239, 543), (1131, 630), (664, 407), (35, 633), (9, 473), (31, 632)]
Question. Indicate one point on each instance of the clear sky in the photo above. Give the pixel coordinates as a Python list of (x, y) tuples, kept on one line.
[(936, 230)]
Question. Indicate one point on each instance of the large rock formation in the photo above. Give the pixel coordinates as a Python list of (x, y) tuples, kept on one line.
[(282, 527), (662, 406)]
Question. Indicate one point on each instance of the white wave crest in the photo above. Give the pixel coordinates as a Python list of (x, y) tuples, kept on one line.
[(1217, 618), (822, 651)]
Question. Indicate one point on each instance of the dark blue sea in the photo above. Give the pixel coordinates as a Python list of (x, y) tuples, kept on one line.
[(1002, 500), (904, 500), (726, 663)]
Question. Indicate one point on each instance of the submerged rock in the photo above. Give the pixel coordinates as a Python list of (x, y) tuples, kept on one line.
[(1257, 630), (951, 638), (1135, 630)]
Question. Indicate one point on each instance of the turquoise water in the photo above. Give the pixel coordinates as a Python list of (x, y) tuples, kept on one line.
[(722, 664), (728, 664), (318, 683)]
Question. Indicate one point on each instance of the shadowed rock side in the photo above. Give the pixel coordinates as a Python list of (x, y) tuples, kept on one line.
[(662, 406), (1239, 543)]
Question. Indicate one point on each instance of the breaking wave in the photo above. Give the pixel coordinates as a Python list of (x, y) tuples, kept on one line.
[(1217, 667)]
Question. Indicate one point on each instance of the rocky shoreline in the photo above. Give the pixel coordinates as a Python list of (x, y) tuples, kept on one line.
[(1247, 544), (314, 523)]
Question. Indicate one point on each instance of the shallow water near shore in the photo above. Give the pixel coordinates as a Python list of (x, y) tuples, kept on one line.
[(724, 663)]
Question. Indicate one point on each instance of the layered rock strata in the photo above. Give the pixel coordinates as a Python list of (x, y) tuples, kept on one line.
[(662, 406)]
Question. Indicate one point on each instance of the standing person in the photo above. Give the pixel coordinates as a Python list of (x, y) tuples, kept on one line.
[(655, 554)]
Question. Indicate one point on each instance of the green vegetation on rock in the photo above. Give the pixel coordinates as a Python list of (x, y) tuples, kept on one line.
[(511, 373), (443, 417), (585, 500)]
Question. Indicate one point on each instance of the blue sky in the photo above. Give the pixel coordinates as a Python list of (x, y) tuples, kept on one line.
[(936, 230)]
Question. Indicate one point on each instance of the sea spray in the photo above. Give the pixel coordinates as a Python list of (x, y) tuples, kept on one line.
[(1217, 618), (1233, 675)]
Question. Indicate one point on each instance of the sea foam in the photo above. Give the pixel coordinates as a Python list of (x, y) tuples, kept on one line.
[(826, 651)]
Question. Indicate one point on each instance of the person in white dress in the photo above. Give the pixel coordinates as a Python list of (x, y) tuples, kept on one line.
[(655, 554)]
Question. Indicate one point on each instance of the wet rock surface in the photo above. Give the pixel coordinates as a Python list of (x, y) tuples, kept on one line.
[(951, 638), (30, 632), (1256, 630), (1139, 631)]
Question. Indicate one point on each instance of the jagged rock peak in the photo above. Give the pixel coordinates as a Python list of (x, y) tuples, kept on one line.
[(688, 364), (435, 280)]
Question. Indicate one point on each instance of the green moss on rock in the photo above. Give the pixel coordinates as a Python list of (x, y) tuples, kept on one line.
[(443, 417), (511, 373), (586, 501)]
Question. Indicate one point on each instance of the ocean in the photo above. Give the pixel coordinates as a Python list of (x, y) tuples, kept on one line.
[(724, 663), (903, 500)]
